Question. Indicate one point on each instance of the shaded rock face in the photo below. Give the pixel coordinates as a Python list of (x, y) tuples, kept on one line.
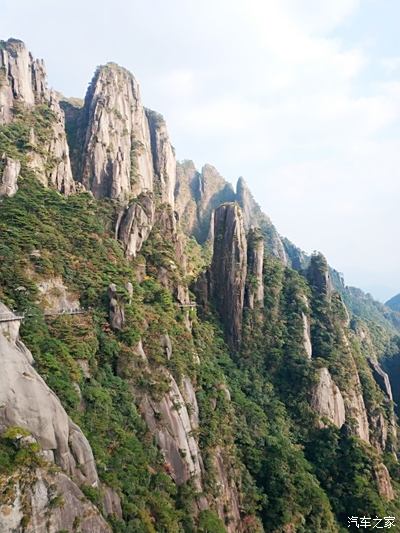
[(55, 297), (22, 79), (253, 216), (115, 161), (327, 399), (255, 262), (164, 163), (355, 407), (307, 335), (26, 401), (173, 427), (296, 258), (383, 481), (228, 501), (57, 165), (307, 328), (319, 276), (197, 194), (23, 82), (111, 502), (136, 224), (392, 367), (116, 309), (9, 176), (381, 377), (34, 502), (229, 269)]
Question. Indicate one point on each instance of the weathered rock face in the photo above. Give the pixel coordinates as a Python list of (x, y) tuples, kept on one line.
[(318, 275), (186, 187), (9, 172), (116, 309), (34, 503), (55, 297), (57, 165), (49, 159), (255, 262), (327, 399), (111, 502), (381, 378), (116, 158), (23, 83), (253, 216), (26, 401), (197, 194), (307, 335), (296, 258), (355, 407), (228, 501), (22, 79), (383, 481), (164, 162), (136, 223), (229, 269), (173, 427)]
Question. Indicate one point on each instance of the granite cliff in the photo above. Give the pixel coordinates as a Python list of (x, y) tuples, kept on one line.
[(172, 364)]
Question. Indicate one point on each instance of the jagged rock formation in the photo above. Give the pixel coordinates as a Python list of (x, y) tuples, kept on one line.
[(136, 223), (197, 194), (27, 402), (255, 263), (384, 482), (213, 404), (115, 158), (319, 276), (22, 79), (55, 297), (253, 216), (327, 399), (120, 150), (381, 378), (173, 428), (229, 269), (9, 169), (23, 83), (175, 421), (164, 163), (116, 308), (355, 406), (48, 502), (305, 315)]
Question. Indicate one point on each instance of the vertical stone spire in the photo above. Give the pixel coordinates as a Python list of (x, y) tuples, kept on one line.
[(229, 268)]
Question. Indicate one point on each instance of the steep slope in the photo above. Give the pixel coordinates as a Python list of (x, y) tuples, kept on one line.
[(255, 403), (36, 122), (394, 303)]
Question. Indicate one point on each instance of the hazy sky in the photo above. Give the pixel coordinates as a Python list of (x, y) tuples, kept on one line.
[(301, 97)]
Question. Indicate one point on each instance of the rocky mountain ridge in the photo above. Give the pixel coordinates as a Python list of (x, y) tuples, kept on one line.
[(184, 354)]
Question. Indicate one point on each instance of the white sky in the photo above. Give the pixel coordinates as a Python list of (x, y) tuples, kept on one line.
[(301, 97)]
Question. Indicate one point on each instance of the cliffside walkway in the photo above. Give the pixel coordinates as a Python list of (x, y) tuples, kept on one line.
[(191, 304), (79, 311), (11, 317)]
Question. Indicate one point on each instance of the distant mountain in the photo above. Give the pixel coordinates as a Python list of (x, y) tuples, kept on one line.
[(394, 303)]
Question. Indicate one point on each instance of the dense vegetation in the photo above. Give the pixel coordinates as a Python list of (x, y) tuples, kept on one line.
[(289, 468)]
